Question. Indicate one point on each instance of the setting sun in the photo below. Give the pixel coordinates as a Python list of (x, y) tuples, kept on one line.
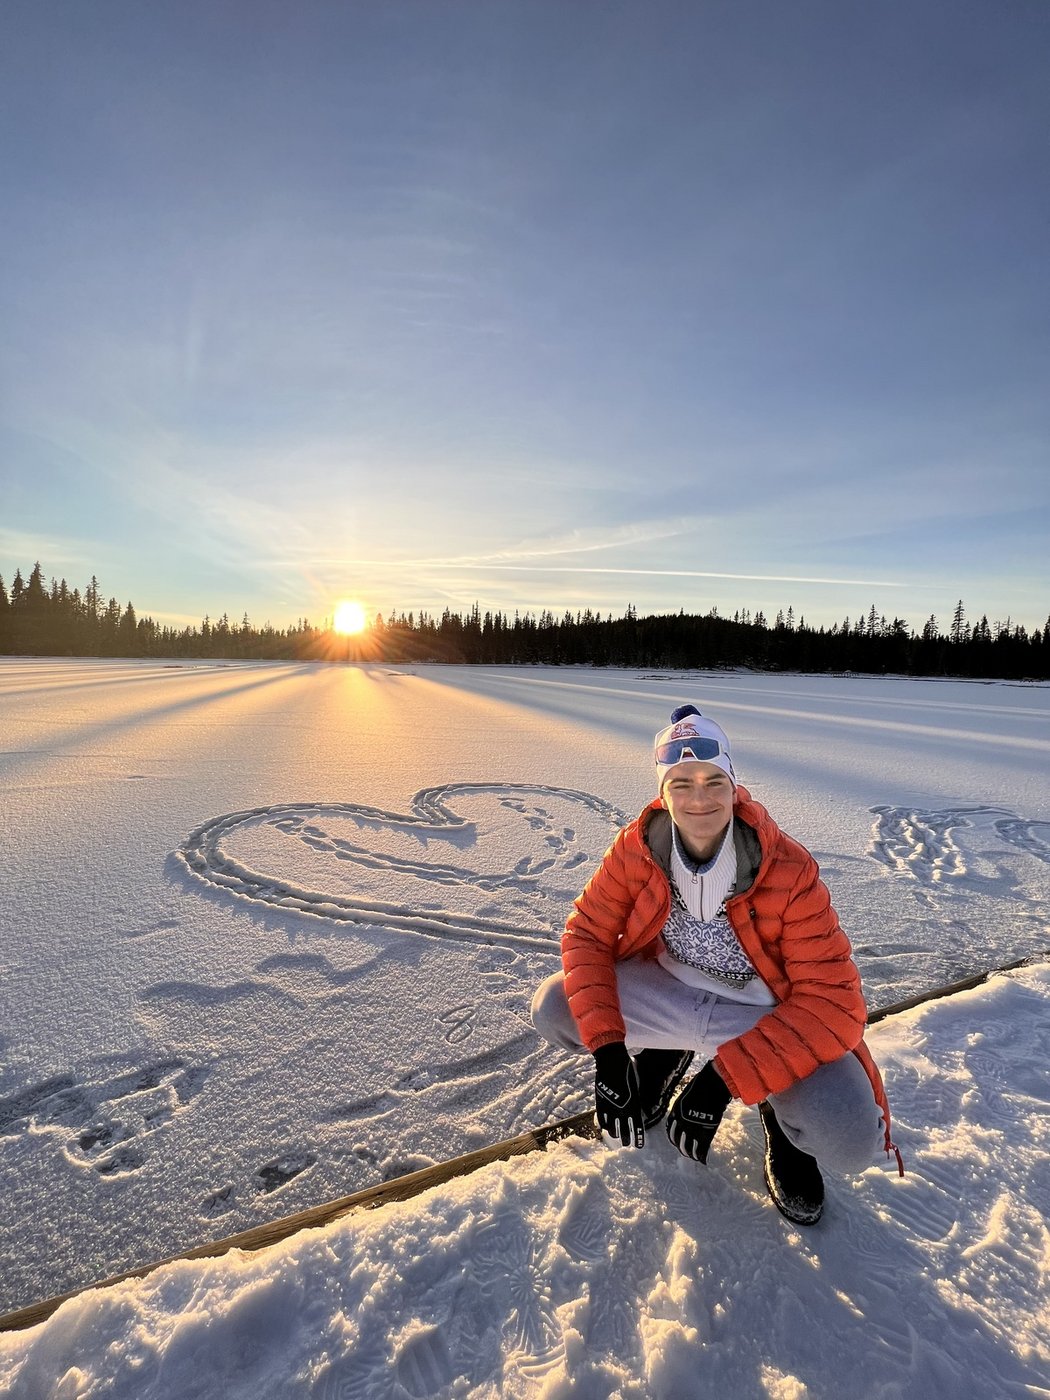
[(349, 618)]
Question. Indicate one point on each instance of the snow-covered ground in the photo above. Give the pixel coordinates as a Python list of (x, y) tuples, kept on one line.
[(580, 1273), (270, 933)]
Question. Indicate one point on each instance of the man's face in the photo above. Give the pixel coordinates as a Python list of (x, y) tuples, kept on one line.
[(699, 797)]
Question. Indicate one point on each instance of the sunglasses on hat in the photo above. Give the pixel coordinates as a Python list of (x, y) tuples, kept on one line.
[(676, 750)]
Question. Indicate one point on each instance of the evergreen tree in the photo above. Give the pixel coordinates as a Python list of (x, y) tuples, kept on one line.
[(127, 633), (957, 633)]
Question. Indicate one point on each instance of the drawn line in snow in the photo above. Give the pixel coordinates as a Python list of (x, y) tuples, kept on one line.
[(206, 856), (952, 844)]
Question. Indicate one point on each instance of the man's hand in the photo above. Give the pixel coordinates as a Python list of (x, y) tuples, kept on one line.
[(617, 1099), (697, 1112)]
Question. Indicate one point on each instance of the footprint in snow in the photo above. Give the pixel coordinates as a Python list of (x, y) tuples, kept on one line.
[(264, 1181), (104, 1124)]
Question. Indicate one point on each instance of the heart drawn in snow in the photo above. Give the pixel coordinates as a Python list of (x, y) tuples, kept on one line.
[(506, 872)]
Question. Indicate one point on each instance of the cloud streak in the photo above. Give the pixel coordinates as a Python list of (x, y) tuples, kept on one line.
[(671, 573)]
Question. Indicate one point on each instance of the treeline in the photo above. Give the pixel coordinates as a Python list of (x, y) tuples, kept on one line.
[(678, 641), (54, 620)]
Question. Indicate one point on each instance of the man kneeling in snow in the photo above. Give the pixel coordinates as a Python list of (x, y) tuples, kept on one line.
[(706, 931)]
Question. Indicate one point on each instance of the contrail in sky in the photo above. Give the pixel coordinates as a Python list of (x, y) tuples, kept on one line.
[(657, 573)]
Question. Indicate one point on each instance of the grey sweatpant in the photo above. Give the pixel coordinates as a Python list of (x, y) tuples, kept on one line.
[(831, 1114)]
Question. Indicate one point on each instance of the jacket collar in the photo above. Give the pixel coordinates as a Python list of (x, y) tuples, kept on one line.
[(654, 826)]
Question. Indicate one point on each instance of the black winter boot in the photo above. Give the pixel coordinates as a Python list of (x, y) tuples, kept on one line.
[(793, 1178), (659, 1074)]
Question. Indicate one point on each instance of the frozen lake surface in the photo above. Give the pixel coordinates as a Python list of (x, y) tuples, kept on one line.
[(270, 932)]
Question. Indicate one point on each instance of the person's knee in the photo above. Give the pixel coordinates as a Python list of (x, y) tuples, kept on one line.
[(551, 1016), (833, 1116), (550, 990), (854, 1147)]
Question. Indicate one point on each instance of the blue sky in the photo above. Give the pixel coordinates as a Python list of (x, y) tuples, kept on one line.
[(690, 305)]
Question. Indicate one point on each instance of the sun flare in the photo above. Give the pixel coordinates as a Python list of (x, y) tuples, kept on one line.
[(349, 618)]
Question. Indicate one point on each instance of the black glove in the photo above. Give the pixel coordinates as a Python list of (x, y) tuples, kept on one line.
[(617, 1098), (697, 1112)]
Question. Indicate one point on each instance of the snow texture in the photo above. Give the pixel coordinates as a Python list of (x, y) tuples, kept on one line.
[(270, 935)]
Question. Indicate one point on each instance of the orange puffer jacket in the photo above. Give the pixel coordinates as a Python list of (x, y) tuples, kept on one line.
[(783, 917)]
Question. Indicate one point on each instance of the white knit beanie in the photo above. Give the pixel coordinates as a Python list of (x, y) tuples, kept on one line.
[(690, 738)]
